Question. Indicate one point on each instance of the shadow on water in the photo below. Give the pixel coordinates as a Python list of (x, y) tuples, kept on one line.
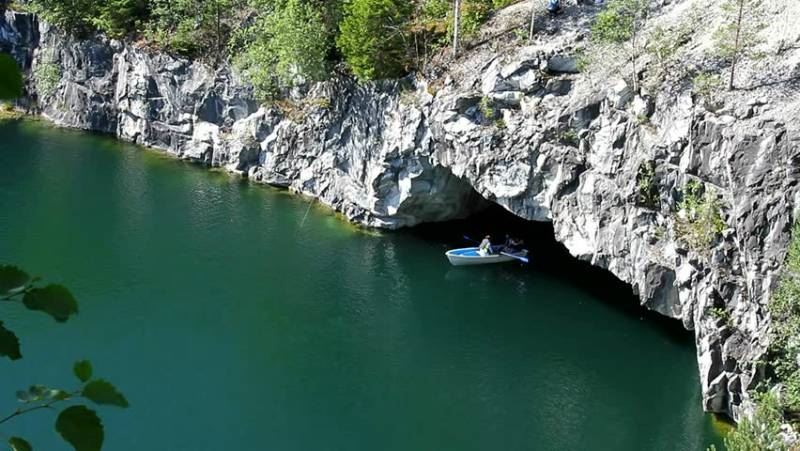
[(550, 257)]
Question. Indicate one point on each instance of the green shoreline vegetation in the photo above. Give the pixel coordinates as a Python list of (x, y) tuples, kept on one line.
[(777, 400), (279, 44)]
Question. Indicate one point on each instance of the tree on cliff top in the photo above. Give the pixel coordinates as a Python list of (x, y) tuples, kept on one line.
[(737, 38), (373, 37), (194, 28), (622, 22), (72, 16), (117, 18), (287, 47)]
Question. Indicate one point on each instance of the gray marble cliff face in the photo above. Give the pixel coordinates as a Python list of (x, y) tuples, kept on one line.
[(560, 147)]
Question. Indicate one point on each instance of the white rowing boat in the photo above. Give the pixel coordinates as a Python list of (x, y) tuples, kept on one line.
[(471, 256)]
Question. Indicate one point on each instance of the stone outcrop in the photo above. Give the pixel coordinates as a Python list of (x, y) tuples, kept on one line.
[(514, 124)]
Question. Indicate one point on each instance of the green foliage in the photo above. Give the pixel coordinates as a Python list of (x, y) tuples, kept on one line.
[(39, 393), (117, 18), (706, 84), (486, 107), (81, 428), (720, 314), (659, 232), (662, 44), (490, 114), (322, 103), (174, 26), (618, 22), (193, 28), (74, 16), (699, 221), (55, 300), (473, 14), (436, 9), (583, 60), (46, 77), (83, 370), (568, 137), (762, 431), (372, 37), (285, 48), (12, 280), (275, 44), (10, 78), (520, 34), (725, 37), (299, 41), (498, 4), (15, 5), (737, 37), (646, 185), (9, 344), (102, 392), (77, 424), (784, 308), (19, 444)]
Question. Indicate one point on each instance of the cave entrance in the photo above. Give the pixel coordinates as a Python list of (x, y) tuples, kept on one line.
[(549, 257)]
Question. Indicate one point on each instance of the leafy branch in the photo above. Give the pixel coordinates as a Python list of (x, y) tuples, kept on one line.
[(53, 397), (77, 424)]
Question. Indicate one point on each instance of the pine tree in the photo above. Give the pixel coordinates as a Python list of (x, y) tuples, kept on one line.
[(456, 25), (737, 38), (622, 22)]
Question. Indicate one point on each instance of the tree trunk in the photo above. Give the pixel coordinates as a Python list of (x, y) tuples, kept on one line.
[(633, 63), (735, 57), (456, 26), (219, 34), (533, 20)]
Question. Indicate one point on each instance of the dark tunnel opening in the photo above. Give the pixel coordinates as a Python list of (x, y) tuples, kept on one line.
[(549, 257)]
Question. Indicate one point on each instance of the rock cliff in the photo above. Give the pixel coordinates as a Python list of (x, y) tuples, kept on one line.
[(509, 122)]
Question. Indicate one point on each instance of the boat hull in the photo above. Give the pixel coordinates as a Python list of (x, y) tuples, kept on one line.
[(469, 256)]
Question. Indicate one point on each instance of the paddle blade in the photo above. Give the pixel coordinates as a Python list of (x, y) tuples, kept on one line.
[(522, 259)]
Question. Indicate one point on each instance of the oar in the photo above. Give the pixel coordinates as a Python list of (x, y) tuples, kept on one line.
[(522, 259)]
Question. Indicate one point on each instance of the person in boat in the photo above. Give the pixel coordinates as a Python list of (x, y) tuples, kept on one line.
[(485, 248), (512, 245)]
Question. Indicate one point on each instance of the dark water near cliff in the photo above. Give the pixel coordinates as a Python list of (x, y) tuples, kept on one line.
[(230, 327)]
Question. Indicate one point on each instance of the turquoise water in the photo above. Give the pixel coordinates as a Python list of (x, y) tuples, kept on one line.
[(229, 326)]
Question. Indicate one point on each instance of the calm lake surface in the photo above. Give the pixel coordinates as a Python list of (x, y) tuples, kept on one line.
[(229, 326)]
